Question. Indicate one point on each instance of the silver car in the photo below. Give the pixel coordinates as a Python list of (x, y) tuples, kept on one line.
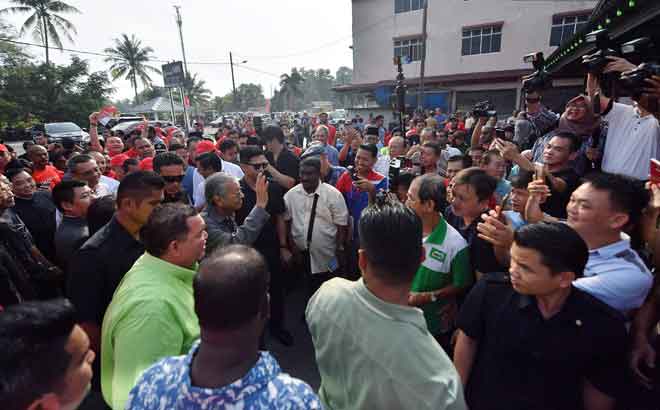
[(56, 131)]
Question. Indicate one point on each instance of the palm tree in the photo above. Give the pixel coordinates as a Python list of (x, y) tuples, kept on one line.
[(46, 26), (128, 59), (197, 92), (290, 86)]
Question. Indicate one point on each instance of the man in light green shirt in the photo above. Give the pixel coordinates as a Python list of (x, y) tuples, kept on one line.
[(152, 313), (373, 350)]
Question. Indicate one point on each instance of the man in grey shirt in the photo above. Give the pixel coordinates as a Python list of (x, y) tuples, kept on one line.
[(224, 197), (72, 198)]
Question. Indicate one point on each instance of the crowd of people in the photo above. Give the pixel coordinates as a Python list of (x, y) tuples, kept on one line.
[(460, 262)]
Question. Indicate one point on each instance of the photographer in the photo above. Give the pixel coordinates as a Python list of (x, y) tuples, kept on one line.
[(633, 136), (539, 118)]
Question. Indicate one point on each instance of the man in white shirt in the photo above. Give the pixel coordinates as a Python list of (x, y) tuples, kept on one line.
[(325, 246), (633, 135), (198, 181)]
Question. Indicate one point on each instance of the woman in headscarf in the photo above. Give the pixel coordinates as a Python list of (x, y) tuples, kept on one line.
[(579, 119)]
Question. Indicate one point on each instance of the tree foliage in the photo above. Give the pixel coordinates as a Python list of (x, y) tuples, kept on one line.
[(129, 60), (44, 24), (48, 93), (302, 87)]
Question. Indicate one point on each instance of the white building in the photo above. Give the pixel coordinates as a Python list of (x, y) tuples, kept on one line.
[(474, 49)]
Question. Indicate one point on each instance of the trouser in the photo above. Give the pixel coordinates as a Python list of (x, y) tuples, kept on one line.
[(277, 289)]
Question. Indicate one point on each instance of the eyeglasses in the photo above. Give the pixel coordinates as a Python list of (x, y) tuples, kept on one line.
[(259, 166), (172, 178)]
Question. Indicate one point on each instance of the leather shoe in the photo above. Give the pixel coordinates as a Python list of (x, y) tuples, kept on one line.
[(282, 335)]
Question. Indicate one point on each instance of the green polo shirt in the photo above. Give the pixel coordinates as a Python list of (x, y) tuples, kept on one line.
[(151, 316), (447, 263), (372, 354)]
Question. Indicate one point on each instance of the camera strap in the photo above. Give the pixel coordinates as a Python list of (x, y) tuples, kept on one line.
[(312, 217)]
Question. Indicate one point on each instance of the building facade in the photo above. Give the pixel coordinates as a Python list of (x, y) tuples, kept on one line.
[(474, 50)]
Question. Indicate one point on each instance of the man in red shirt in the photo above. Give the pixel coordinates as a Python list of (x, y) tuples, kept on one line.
[(45, 176), (5, 158), (332, 131)]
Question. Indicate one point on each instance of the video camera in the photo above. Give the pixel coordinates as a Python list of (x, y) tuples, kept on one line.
[(484, 109), (646, 53), (539, 79)]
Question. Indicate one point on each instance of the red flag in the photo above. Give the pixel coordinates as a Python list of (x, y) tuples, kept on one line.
[(186, 101)]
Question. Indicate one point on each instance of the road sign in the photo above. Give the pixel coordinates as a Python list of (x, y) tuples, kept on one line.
[(173, 74)]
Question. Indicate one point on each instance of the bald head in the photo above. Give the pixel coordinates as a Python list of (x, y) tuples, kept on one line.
[(397, 147), (231, 288), (38, 155)]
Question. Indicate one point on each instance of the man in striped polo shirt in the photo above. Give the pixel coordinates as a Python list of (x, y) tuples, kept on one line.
[(445, 273)]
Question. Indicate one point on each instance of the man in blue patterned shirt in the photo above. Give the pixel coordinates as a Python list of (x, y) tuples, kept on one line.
[(225, 369)]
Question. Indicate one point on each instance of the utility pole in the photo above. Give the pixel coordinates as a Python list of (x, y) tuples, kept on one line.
[(420, 92), (233, 82), (185, 69), (400, 91)]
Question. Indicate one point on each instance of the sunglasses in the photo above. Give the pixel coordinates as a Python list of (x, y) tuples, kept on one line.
[(262, 165), (172, 178)]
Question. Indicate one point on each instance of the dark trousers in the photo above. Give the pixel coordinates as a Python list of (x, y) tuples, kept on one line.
[(277, 288)]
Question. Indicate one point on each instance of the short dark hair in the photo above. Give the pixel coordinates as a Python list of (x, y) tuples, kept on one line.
[(138, 185), (405, 179), (12, 172), (165, 159), (175, 146), (371, 148), (130, 162), (432, 188), (273, 132), (33, 359), (210, 160), (250, 152), (487, 156), (100, 213), (483, 184), (391, 236), (626, 194), (313, 161), (522, 179), (574, 139), (464, 159), (231, 287), (76, 160), (192, 140), (64, 192), (167, 223), (227, 144), (435, 147), (561, 248)]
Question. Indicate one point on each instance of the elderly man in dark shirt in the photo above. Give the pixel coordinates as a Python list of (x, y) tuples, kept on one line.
[(36, 209)]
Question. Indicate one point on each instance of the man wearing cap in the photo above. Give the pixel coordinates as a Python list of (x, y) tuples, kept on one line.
[(5, 158), (329, 173), (117, 166)]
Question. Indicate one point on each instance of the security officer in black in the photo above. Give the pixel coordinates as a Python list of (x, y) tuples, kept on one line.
[(533, 341)]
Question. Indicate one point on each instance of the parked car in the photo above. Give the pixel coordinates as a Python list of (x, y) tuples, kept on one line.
[(56, 131)]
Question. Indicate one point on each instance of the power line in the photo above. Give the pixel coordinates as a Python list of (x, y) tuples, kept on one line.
[(322, 46)]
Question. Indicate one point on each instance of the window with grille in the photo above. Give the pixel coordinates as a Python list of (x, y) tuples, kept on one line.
[(481, 40), (403, 6), (411, 48), (564, 27)]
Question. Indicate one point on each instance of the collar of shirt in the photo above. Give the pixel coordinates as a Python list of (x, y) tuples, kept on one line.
[(393, 312), (439, 232), (159, 265), (567, 312), (265, 370), (611, 250)]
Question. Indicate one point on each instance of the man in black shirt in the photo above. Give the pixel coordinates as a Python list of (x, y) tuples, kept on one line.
[(533, 341), (96, 270), (472, 189), (283, 163), (72, 198), (36, 209), (171, 168), (272, 241)]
